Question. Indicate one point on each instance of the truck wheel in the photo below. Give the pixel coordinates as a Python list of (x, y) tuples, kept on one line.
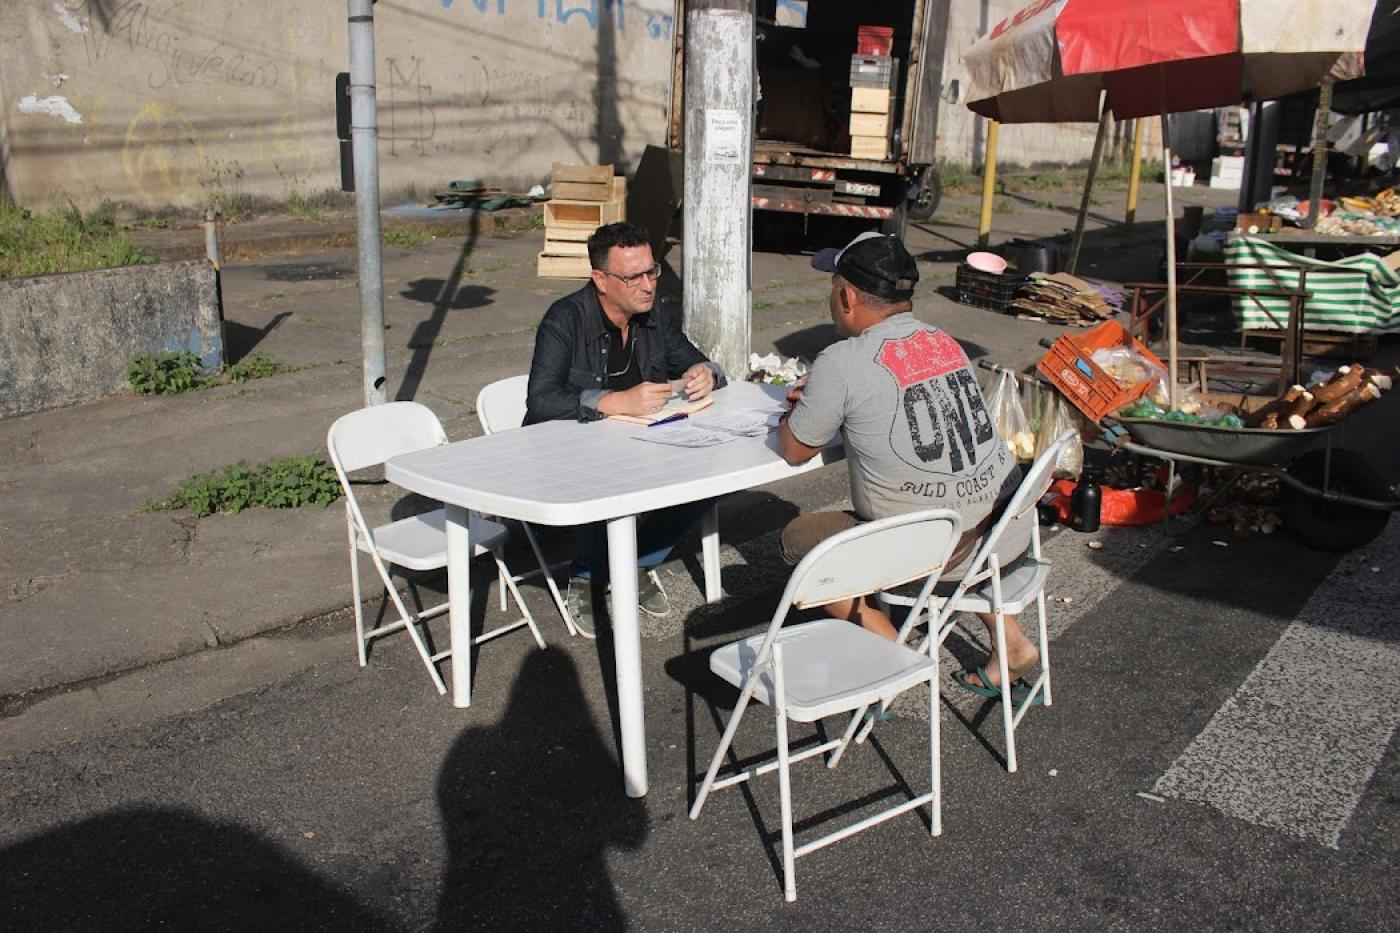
[(1329, 526), (898, 221), (930, 193)]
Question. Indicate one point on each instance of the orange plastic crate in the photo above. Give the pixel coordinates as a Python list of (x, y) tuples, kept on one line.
[(1070, 366)]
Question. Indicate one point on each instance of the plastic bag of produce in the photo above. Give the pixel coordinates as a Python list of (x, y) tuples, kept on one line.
[(1010, 418), (1060, 416)]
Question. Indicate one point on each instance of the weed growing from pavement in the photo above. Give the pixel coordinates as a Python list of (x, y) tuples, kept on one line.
[(258, 366), (150, 223), (760, 305), (956, 178), (166, 373), (405, 237), (285, 483), (174, 372), (65, 241)]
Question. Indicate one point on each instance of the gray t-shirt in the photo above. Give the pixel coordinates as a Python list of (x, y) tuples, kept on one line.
[(918, 434)]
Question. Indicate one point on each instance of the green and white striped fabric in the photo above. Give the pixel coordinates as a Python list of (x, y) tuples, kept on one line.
[(1356, 295)]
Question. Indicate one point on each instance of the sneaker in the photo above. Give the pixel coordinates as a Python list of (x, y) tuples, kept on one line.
[(579, 599), (651, 598)]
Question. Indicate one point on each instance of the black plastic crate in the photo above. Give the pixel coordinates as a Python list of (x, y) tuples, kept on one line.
[(987, 290)]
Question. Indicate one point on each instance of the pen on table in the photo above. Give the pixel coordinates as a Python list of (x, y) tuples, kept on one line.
[(668, 420)]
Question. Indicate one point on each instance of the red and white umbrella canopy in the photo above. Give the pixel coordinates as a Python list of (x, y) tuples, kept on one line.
[(1049, 62)]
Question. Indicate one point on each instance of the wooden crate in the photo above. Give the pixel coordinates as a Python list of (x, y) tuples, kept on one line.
[(568, 234), (870, 100), (556, 247), (581, 214), (582, 182), (562, 267), (870, 124), (869, 147)]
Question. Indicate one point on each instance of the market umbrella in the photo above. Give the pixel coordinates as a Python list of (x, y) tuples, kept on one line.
[(1059, 61)]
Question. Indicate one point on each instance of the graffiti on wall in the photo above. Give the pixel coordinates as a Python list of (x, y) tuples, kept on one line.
[(411, 117), (178, 55), (656, 23)]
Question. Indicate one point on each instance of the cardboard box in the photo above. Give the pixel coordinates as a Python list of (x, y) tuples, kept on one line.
[(870, 124), (870, 100), (870, 147)]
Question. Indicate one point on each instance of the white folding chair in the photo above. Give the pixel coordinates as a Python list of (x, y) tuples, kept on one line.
[(989, 588), (817, 669), (500, 406), (367, 438)]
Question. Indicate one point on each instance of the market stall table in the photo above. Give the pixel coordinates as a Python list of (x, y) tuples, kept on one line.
[(570, 473)]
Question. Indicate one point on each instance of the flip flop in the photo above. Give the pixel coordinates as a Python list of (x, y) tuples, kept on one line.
[(981, 689), (1019, 689)]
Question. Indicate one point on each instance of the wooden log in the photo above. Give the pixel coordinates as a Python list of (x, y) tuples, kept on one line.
[(1338, 409), (1270, 411), (1346, 380)]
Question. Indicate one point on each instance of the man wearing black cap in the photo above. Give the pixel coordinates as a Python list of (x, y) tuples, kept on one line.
[(917, 431)]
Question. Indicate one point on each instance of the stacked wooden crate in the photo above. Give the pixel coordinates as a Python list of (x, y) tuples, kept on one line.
[(872, 80), (582, 198)]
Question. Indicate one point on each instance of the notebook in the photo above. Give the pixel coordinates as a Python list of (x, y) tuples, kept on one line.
[(672, 408)]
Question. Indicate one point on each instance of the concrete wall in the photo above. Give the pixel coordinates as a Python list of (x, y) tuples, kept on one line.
[(69, 338), (962, 133), (180, 102), (160, 102)]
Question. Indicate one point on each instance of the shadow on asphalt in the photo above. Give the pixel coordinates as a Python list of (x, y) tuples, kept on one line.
[(449, 296), (241, 339), (143, 868), (529, 824)]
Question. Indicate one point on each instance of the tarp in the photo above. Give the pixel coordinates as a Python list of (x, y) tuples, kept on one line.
[(1049, 62), (1356, 295)]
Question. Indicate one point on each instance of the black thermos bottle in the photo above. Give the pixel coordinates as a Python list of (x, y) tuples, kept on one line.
[(1084, 504)]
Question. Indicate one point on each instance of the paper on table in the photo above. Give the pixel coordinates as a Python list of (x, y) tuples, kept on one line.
[(747, 422), (683, 435)]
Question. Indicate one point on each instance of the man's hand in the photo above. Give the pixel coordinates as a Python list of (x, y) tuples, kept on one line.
[(698, 382), (643, 399), (795, 392)]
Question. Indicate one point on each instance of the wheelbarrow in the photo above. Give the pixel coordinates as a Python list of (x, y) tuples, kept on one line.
[(1331, 498)]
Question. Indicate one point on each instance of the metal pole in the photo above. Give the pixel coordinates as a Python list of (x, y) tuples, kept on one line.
[(211, 238), (719, 120), (1319, 170), (1089, 186), (1171, 261), (989, 184), (364, 133), (1135, 174)]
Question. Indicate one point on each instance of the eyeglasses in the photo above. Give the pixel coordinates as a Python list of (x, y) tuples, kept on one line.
[(632, 281)]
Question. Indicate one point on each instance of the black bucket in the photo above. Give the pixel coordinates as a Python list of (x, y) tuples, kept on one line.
[(1036, 256)]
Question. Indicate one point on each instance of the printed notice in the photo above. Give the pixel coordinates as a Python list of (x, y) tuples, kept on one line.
[(724, 137)]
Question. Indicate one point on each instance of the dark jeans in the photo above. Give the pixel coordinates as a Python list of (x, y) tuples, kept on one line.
[(657, 535)]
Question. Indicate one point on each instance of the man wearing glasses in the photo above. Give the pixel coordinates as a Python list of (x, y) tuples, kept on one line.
[(612, 348)]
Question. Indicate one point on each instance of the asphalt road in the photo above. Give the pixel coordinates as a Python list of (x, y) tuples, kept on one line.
[(1220, 754)]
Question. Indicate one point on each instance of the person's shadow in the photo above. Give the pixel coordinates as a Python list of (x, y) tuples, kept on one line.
[(530, 807), (144, 867)]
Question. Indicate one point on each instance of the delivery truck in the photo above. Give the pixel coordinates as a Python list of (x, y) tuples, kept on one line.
[(847, 108)]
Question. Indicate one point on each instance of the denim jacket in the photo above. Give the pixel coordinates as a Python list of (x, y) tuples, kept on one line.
[(568, 371)]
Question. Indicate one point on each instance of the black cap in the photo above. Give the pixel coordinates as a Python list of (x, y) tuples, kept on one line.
[(874, 263)]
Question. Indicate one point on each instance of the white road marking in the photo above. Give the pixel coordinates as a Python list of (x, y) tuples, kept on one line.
[(1296, 746)]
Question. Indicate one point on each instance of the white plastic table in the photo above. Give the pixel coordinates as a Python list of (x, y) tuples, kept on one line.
[(572, 473)]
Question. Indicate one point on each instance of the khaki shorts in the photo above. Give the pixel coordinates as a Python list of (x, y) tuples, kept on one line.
[(805, 532)]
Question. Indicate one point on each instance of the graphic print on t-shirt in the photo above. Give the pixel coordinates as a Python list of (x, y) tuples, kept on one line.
[(941, 425)]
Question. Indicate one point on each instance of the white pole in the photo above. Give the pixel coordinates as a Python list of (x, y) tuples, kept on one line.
[(1171, 262), (364, 132), (719, 119)]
